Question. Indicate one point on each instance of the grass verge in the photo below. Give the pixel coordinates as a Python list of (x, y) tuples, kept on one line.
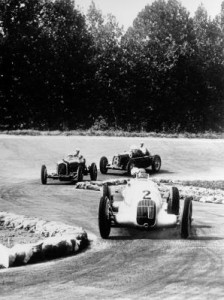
[(115, 133)]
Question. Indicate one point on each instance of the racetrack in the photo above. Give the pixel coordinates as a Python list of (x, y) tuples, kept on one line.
[(132, 264)]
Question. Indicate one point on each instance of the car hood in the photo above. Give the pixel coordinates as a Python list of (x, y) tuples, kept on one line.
[(124, 154), (141, 189)]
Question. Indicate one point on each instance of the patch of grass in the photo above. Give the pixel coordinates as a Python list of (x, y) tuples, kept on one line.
[(9, 237), (115, 133)]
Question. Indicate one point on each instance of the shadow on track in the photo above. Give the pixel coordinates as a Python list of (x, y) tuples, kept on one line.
[(56, 182), (124, 173), (127, 234)]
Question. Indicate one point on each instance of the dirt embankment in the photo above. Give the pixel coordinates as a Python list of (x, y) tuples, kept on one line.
[(27, 240)]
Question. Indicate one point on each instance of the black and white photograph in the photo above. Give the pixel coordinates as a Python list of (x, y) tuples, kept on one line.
[(112, 149)]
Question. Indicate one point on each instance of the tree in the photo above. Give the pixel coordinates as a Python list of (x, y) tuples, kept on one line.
[(161, 36), (19, 23), (106, 36), (46, 63), (70, 71), (209, 59)]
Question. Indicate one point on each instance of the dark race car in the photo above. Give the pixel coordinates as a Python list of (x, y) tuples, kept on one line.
[(70, 169), (127, 161)]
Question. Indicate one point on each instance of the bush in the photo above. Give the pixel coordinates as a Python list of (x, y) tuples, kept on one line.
[(100, 124)]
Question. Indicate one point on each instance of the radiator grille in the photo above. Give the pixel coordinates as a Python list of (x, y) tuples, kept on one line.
[(146, 212), (62, 169)]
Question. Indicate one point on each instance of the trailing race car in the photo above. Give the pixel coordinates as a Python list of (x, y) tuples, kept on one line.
[(127, 161), (140, 204), (70, 169)]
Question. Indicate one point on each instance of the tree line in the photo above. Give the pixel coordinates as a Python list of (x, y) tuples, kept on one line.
[(63, 69)]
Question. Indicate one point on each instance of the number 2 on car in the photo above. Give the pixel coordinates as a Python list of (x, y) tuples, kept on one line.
[(146, 195)]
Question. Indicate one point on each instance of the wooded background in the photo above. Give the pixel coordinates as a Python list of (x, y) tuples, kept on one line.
[(61, 69)]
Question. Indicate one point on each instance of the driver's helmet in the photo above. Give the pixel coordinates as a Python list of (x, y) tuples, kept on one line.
[(69, 157), (142, 173), (134, 171), (139, 173), (133, 150)]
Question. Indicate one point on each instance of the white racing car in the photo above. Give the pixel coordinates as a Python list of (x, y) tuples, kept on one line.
[(140, 204)]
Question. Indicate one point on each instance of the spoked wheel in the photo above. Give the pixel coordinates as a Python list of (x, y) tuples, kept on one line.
[(156, 163), (104, 215), (43, 174), (173, 201), (79, 174), (186, 221), (103, 165), (93, 172)]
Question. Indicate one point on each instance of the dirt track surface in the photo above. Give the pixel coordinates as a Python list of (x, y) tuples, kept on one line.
[(132, 264)]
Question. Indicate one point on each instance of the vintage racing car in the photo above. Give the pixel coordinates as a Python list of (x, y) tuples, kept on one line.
[(127, 162), (70, 169), (140, 204)]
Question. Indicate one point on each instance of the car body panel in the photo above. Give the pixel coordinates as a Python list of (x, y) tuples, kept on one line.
[(120, 161), (67, 169), (125, 161), (141, 195)]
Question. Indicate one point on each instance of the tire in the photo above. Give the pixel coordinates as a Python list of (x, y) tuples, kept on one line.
[(93, 172), (103, 164), (185, 227), (173, 206), (106, 191), (43, 174), (104, 221), (130, 166), (156, 163), (79, 174)]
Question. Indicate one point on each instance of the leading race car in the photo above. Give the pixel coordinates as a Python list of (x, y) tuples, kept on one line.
[(127, 161), (70, 169), (140, 204)]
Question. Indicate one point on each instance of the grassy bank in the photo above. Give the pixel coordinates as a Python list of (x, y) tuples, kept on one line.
[(115, 133)]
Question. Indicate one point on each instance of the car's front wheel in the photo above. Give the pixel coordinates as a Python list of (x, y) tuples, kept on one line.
[(43, 174), (103, 165), (104, 220), (156, 163), (173, 201), (79, 174), (93, 172), (186, 221)]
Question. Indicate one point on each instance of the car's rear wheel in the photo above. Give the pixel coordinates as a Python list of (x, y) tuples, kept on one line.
[(79, 174), (156, 163), (173, 201), (43, 174), (104, 219), (103, 165), (93, 172), (185, 228)]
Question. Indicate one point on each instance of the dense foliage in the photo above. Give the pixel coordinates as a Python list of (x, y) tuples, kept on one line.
[(60, 69)]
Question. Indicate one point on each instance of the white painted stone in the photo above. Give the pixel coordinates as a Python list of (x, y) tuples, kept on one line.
[(4, 257)]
